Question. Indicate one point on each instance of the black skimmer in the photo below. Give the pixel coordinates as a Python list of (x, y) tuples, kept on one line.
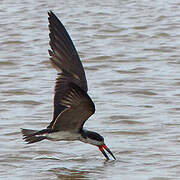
[(72, 104)]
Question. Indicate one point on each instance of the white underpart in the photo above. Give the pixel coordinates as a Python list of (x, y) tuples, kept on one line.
[(63, 136)]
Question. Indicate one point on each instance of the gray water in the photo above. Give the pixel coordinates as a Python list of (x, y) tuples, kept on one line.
[(131, 54)]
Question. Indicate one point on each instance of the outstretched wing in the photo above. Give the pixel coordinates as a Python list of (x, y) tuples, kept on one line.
[(65, 59), (79, 107)]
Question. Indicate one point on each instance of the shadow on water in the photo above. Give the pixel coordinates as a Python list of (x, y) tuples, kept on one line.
[(65, 173), (80, 172)]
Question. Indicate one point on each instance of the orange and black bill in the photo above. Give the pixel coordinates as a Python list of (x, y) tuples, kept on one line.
[(107, 149)]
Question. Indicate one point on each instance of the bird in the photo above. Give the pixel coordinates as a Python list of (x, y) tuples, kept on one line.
[(72, 105)]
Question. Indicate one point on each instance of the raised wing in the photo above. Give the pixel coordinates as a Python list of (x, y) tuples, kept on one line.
[(79, 107), (65, 59)]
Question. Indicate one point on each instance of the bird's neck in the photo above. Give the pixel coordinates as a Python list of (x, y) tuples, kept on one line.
[(84, 133), (91, 137)]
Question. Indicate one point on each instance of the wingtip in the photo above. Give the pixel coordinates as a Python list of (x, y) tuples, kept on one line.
[(52, 18), (50, 12), (52, 15)]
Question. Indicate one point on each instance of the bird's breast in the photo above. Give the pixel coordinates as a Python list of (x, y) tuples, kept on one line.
[(63, 136)]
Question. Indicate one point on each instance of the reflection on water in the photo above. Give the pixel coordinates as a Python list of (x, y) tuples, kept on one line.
[(70, 174), (79, 172), (130, 51)]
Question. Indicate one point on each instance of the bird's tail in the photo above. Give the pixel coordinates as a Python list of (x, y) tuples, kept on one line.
[(32, 136)]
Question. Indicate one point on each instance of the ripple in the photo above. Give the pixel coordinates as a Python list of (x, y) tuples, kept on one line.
[(12, 42), (7, 63), (28, 102), (131, 133), (144, 92)]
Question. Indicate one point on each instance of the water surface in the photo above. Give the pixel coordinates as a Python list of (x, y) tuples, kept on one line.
[(130, 51)]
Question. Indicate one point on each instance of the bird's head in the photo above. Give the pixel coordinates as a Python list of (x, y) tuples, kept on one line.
[(96, 140)]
